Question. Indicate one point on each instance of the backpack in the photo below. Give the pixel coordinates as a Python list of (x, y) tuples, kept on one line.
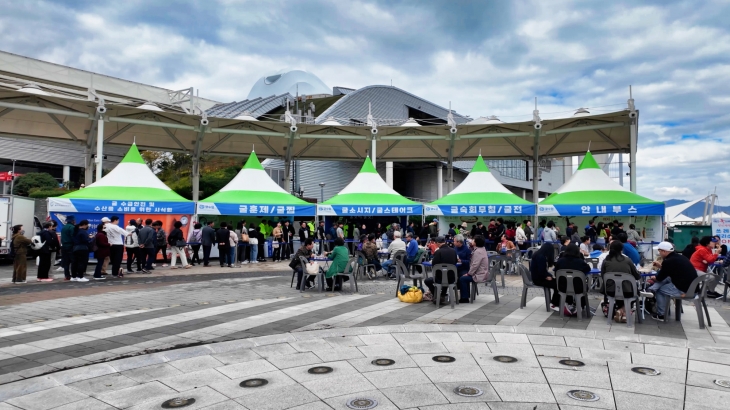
[(161, 237), (129, 240)]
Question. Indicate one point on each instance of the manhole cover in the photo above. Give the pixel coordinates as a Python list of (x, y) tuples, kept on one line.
[(383, 362), (177, 403), (443, 359), (723, 383), (320, 370), (572, 363), (468, 391), (362, 403), (254, 383), (646, 371), (583, 395), (505, 359)]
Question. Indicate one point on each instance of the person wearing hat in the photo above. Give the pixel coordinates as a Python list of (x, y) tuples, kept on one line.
[(67, 246), (444, 254), (673, 279), (704, 254)]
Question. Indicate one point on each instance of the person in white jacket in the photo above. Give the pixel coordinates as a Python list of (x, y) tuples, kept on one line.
[(521, 238), (131, 244)]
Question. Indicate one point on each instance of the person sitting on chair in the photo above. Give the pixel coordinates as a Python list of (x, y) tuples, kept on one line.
[(572, 260), (617, 262), (478, 269), (296, 264), (673, 279), (339, 257), (370, 250), (444, 254)]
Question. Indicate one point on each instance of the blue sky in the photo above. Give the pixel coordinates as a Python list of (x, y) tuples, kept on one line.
[(486, 58)]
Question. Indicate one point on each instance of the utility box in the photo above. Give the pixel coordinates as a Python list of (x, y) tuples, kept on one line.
[(682, 235)]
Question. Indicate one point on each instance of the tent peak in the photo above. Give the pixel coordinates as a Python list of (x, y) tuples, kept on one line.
[(588, 162), (253, 162), (480, 165), (367, 166), (133, 156)]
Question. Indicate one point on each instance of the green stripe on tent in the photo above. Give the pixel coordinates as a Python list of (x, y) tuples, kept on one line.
[(367, 166), (597, 197), (133, 156), (369, 199), (255, 197), (253, 162), (115, 193), (480, 165), (588, 162), (479, 198)]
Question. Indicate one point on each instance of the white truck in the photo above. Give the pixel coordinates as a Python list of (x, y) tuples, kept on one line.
[(23, 213)]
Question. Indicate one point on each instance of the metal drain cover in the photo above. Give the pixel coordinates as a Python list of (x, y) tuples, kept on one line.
[(443, 359), (320, 370), (177, 403), (572, 363), (254, 383), (583, 395), (646, 371), (362, 403), (723, 383), (505, 359), (468, 391), (383, 362)]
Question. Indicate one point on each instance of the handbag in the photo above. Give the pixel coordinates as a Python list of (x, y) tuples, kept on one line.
[(312, 268), (275, 245), (180, 243), (244, 237)]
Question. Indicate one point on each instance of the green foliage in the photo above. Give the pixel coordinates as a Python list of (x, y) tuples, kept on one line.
[(210, 182), (34, 180), (48, 193)]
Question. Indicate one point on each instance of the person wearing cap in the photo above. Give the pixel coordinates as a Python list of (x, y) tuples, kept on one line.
[(115, 234), (67, 246), (704, 255), (673, 279), (447, 255)]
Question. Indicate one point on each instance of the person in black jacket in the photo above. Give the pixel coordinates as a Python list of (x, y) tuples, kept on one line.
[(208, 240), (304, 233), (541, 261), (288, 235), (572, 260), (673, 279), (222, 238), (689, 250), (444, 254), (50, 243)]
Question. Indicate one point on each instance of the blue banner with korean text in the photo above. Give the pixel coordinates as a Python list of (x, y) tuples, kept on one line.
[(365, 210), (119, 206), (209, 208), (477, 210), (598, 210)]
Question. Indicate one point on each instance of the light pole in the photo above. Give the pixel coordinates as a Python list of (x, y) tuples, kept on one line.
[(321, 197)]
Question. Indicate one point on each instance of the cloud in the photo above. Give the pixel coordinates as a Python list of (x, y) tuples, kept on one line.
[(667, 192), (484, 57)]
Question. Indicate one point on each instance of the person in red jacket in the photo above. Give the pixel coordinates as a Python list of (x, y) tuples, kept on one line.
[(704, 254), (103, 250)]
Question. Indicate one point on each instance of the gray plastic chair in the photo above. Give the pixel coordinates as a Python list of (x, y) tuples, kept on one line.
[(319, 276), (403, 274), (417, 266), (445, 268), (698, 287), (569, 274), (351, 272), (400, 255), (490, 283), (527, 284), (619, 279), (364, 266)]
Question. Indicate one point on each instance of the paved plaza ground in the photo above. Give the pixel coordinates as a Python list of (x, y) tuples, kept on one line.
[(220, 338)]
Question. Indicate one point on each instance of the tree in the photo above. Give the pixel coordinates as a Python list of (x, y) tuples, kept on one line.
[(34, 181)]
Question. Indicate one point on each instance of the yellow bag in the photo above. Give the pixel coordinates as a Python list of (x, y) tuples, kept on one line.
[(414, 295)]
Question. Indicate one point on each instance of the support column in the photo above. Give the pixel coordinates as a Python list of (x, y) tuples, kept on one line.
[(632, 154), (450, 164), (389, 173), (535, 173), (66, 174), (439, 181), (373, 152), (195, 177), (88, 167), (99, 147), (621, 169)]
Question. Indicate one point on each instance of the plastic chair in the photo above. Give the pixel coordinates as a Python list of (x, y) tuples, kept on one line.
[(351, 272), (618, 280), (417, 266), (364, 266), (445, 269), (319, 276), (490, 283), (569, 275), (403, 274), (400, 255), (698, 287), (528, 284)]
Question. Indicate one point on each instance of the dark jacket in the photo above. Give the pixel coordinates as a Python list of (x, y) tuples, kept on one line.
[(50, 242), (304, 234), (208, 236), (147, 237), (689, 250), (222, 238), (444, 254), (572, 263), (303, 251), (103, 249), (678, 268), (464, 253), (81, 239), (620, 264), (175, 235), (539, 268), (67, 236), (288, 232)]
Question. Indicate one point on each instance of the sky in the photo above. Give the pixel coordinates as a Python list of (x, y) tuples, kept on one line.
[(483, 57)]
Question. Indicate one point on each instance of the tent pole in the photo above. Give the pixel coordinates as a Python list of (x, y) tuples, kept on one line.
[(99, 146), (535, 171), (195, 179), (450, 165)]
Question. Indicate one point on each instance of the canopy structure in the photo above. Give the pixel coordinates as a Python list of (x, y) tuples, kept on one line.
[(369, 195), (253, 192), (480, 194), (130, 187), (591, 192)]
